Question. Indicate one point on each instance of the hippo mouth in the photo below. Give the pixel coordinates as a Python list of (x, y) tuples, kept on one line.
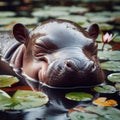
[(61, 75)]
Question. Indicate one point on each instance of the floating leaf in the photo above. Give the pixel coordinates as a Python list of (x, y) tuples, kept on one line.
[(5, 100), (95, 113), (24, 20), (76, 18), (7, 80), (78, 96), (106, 47), (29, 99), (105, 26), (117, 39), (102, 101), (79, 9), (114, 77), (7, 14), (3, 93), (109, 55), (117, 85), (105, 89), (111, 66), (22, 99), (101, 19), (49, 13), (56, 8)]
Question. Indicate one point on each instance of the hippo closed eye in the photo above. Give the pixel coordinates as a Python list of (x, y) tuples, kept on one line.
[(58, 53)]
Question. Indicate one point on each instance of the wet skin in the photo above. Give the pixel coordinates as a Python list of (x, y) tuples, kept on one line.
[(58, 53)]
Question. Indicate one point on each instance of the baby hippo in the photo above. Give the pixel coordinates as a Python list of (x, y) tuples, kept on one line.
[(58, 53)]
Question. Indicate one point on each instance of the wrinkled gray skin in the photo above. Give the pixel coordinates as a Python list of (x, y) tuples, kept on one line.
[(58, 53)]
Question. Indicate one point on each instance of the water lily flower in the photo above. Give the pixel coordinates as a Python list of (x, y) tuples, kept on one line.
[(107, 38)]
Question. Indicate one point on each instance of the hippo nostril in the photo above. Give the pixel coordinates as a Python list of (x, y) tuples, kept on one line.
[(71, 65)]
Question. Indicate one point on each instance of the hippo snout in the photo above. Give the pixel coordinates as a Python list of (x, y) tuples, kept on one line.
[(87, 66), (73, 73)]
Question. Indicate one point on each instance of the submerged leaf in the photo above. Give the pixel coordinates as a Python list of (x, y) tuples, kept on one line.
[(7, 80), (105, 89), (78, 96)]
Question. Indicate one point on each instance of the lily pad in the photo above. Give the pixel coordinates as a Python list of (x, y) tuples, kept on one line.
[(23, 99), (117, 39), (109, 55), (103, 101), (76, 18), (105, 89), (49, 13), (7, 80), (79, 9), (101, 19), (29, 99), (57, 8), (7, 14), (106, 47), (111, 66), (95, 113), (105, 27), (114, 77), (5, 100), (12, 20), (3, 93), (79, 96), (117, 85)]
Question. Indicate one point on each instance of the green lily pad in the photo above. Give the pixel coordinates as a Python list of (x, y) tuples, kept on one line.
[(76, 18), (114, 77), (12, 20), (7, 14), (57, 8), (5, 100), (111, 66), (106, 47), (105, 89), (79, 9), (101, 19), (109, 55), (49, 13), (105, 26), (23, 99), (116, 7), (7, 80), (117, 85), (4, 94), (95, 113), (79, 96), (117, 39)]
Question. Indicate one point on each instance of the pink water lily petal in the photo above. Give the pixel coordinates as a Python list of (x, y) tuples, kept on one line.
[(107, 38)]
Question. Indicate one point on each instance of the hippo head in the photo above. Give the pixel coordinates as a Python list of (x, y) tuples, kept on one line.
[(58, 53)]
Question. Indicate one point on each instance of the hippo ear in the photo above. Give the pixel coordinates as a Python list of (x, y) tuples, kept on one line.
[(21, 33), (93, 31)]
